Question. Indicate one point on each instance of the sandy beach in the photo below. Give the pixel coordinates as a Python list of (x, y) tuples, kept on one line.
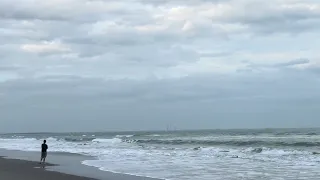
[(14, 169), (17, 165)]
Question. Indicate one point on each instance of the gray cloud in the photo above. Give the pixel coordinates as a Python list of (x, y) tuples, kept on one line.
[(274, 16), (10, 68), (295, 62), (282, 65)]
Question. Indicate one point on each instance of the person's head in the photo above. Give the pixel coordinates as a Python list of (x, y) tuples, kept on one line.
[(44, 141)]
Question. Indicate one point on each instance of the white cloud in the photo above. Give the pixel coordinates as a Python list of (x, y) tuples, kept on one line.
[(46, 47)]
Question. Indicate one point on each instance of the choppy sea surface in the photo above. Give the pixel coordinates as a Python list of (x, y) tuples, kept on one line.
[(277, 154)]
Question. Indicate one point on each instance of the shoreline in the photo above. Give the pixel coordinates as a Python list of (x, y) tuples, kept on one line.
[(58, 164)]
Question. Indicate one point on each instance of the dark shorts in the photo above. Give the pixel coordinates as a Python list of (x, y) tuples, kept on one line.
[(43, 154)]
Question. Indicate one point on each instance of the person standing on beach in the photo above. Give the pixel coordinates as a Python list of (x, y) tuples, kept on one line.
[(44, 148)]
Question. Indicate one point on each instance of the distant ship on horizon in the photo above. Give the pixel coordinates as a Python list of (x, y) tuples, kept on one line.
[(169, 128)]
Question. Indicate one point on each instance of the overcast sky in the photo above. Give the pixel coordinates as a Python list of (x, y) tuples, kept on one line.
[(101, 65)]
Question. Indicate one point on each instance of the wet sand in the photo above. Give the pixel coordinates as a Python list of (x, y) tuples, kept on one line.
[(19, 165), (13, 169)]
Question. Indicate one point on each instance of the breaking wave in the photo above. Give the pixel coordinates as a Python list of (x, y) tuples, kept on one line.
[(227, 143), (78, 139)]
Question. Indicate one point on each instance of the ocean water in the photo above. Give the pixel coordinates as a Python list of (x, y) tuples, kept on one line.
[(277, 154)]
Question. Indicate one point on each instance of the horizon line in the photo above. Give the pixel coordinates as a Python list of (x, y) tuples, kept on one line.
[(144, 131)]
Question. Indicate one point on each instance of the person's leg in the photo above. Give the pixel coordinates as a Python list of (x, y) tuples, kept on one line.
[(44, 157)]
